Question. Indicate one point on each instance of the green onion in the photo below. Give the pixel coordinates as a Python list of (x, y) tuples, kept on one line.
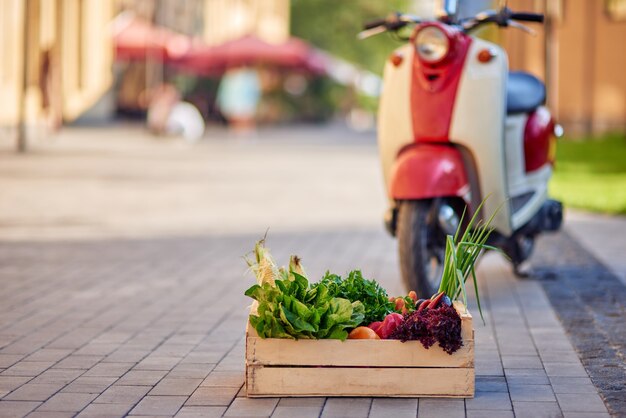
[(461, 255)]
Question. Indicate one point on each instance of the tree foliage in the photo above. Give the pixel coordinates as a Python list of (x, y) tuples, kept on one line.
[(332, 25)]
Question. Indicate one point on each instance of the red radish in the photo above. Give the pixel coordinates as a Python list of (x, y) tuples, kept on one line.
[(423, 305), (376, 326), (435, 300), (390, 323)]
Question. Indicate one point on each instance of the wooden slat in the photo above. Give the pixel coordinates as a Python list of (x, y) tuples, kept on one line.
[(380, 353), (336, 381)]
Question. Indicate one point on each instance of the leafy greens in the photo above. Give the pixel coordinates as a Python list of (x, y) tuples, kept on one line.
[(356, 288), (293, 309)]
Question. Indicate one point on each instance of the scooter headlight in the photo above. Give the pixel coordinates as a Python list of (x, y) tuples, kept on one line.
[(432, 44)]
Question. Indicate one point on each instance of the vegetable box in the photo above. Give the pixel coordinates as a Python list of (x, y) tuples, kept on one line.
[(388, 368)]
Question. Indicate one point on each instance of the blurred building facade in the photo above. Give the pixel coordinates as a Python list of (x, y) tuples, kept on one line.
[(57, 55), (56, 59), (226, 20), (581, 55)]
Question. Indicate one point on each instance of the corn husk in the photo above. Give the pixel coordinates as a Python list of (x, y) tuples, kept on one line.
[(265, 269), (263, 266)]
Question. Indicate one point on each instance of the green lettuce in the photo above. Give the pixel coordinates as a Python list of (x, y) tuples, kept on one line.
[(290, 308)]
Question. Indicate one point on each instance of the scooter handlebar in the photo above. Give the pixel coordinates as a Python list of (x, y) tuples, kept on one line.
[(527, 17), (374, 23)]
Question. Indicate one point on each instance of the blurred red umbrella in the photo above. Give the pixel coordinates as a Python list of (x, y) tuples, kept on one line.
[(250, 50), (135, 38)]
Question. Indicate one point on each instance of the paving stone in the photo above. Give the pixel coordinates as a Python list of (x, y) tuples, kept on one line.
[(346, 408), (159, 405), (527, 377), (572, 385), (158, 363), (105, 410), (175, 386), (586, 415), (536, 410), (128, 395), (27, 368), (10, 383), (252, 407), (142, 377), (109, 369), (34, 392), (565, 369), (78, 362), (212, 396), (48, 354), (491, 384), (567, 356), (50, 414), (230, 379), (581, 402), (125, 356), (398, 408), (89, 385), (302, 402), (97, 349), (484, 413), (295, 411), (191, 370), (489, 400), (521, 362), (8, 360), (58, 376), (488, 368), (530, 393), (17, 409), (67, 402), (203, 412), (435, 408)]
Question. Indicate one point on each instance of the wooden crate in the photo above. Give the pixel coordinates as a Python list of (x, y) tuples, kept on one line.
[(390, 368)]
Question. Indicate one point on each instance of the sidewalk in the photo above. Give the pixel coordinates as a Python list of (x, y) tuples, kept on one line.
[(603, 236), (123, 280)]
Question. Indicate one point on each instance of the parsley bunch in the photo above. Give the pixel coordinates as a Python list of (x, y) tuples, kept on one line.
[(356, 288)]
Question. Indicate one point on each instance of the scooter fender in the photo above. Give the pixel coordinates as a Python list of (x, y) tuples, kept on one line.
[(424, 171)]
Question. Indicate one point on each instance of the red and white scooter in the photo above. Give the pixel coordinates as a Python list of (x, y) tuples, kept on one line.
[(454, 127)]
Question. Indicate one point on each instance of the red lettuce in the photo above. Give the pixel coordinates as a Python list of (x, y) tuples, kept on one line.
[(442, 325)]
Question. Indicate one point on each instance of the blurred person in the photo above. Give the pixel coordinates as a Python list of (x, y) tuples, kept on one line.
[(50, 86), (169, 115), (238, 96)]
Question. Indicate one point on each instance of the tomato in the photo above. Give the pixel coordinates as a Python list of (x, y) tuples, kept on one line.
[(390, 323), (363, 333), (413, 295)]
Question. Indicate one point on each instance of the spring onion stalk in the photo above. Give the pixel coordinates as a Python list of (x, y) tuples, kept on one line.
[(462, 253)]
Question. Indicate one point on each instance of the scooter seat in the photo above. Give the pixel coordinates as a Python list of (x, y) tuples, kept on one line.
[(524, 93)]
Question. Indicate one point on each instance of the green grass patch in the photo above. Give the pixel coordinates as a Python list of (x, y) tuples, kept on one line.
[(591, 174)]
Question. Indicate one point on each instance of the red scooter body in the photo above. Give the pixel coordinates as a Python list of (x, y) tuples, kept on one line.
[(454, 127)]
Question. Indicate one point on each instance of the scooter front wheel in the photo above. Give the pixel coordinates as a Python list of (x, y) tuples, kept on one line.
[(421, 246)]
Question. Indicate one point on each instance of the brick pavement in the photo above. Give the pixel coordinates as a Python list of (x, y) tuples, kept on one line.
[(122, 280)]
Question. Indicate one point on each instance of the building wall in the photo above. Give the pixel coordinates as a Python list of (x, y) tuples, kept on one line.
[(226, 20), (11, 64), (582, 60), (63, 64)]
